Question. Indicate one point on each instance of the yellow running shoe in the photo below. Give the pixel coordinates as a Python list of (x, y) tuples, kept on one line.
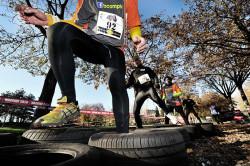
[(62, 114)]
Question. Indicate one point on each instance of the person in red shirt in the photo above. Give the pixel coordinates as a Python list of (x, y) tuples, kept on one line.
[(96, 34)]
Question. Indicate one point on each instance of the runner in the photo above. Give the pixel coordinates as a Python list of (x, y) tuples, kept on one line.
[(95, 34), (145, 82), (171, 94), (189, 105), (215, 113)]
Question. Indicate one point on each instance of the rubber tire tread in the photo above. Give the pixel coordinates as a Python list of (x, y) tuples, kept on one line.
[(64, 134), (149, 146), (194, 131), (181, 129), (208, 129), (79, 153)]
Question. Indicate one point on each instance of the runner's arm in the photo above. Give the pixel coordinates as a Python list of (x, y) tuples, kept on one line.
[(130, 81), (133, 18)]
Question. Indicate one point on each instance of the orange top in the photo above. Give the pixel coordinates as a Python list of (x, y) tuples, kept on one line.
[(133, 18), (133, 13), (176, 90)]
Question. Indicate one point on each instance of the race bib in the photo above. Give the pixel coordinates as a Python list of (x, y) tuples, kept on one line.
[(110, 24), (144, 78)]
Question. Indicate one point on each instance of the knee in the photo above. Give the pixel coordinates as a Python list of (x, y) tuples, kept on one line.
[(116, 84)]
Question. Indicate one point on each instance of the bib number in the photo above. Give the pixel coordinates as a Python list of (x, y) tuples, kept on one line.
[(110, 24), (144, 78)]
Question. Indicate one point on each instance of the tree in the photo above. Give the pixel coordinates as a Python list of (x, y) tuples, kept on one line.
[(156, 56), (17, 113), (29, 49), (238, 98), (223, 86), (97, 119), (213, 39), (206, 101), (157, 113), (93, 107)]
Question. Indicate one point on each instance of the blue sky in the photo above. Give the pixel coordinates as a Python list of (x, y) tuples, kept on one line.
[(12, 80)]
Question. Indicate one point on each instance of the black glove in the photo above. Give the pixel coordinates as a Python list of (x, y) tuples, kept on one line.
[(157, 86)]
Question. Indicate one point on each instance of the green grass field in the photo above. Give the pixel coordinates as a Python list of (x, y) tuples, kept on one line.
[(12, 130)]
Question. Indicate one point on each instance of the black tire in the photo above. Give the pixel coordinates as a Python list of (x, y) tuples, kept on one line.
[(193, 131), (163, 125), (143, 147), (7, 139), (181, 129), (186, 135), (207, 129), (63, 134), (50, 154)]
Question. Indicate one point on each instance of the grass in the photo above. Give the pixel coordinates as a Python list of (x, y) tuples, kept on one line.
[(12, 130)]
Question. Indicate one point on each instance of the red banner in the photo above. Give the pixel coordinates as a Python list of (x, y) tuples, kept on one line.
[(22, 102), (96, 112), (93, 112)]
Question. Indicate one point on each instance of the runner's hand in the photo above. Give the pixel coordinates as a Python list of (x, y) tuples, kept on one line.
[(32, 16), (157, 86), (140, 44)]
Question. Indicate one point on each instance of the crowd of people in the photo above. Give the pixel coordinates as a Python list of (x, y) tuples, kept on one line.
[(147, 85), (145, 82)]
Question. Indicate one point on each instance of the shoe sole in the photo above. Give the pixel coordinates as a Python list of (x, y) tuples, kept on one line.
[(64, 121)]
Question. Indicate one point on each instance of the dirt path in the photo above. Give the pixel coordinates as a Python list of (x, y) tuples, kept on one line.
[(231, 147)]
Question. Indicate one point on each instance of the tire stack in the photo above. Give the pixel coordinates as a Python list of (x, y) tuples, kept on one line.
[(166, 145), (49, 154)]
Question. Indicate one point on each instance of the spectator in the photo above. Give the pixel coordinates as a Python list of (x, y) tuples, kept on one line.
[(215, 113)]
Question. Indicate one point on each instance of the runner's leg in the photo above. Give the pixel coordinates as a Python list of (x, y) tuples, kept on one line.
[(140, 97), (196, 115), (155, 97), (115, 68), (66, 40)]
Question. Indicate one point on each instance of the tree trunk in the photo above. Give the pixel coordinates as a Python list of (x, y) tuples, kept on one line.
[(231, 102), (4, 120), (243, 96), (46, 94)]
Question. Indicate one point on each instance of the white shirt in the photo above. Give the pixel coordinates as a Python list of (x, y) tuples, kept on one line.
[(213, 110)]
